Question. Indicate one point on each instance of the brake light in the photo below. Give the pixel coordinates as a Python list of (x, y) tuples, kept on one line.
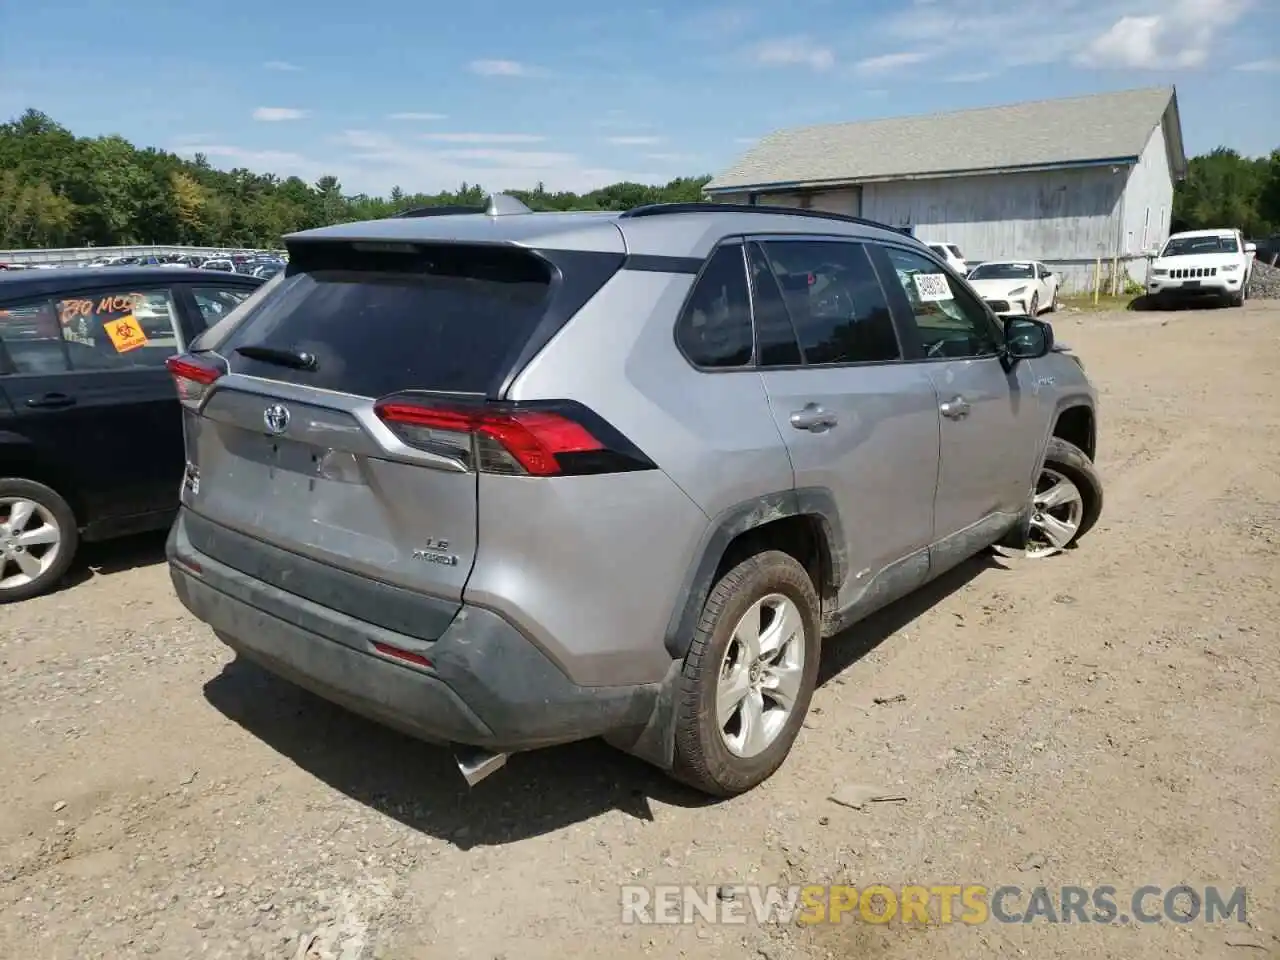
[(557, 438), (192, 377)]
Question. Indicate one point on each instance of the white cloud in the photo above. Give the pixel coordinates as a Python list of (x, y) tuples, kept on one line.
[(500, 68), (620, 120), (630, 141), (282, 66), (264, 161), (886, 62), (794, 51), (746, 140), (276, 114), (417, 116), (482, 137), (1261, 66), (1132, 34), (373, 162), (716, 23), (976, 77), (1138, 42), (673, 158), (534, 159)]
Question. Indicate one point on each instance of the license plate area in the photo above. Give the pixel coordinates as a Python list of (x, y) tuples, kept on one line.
[(1191, 283)]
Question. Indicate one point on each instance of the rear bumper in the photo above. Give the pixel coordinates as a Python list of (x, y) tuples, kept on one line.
[(486, 686)]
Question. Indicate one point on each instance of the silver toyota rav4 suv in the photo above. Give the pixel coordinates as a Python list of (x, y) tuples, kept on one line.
[(504, 480)]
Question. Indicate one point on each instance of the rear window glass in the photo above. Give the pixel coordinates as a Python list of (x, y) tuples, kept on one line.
[(447, 317)]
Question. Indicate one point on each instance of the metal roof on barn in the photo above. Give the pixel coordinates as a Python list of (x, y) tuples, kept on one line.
[(1044, 134)]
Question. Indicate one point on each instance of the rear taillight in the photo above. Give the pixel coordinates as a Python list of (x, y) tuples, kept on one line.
[(193, 378), (540, 439)]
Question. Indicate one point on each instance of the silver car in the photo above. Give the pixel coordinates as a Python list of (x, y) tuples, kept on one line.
[(505, 480)]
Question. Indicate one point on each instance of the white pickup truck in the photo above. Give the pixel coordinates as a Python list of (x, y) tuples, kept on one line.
[(1202, 263)]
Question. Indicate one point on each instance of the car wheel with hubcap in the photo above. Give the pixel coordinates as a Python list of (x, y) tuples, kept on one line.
[(38, 539), (1066, 503), (749, 675)]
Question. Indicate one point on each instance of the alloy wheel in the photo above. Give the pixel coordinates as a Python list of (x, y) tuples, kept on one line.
[(760, 676)]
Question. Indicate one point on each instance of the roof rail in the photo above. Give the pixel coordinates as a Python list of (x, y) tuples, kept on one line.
[(707, 206), (440, 211), (498, 205)]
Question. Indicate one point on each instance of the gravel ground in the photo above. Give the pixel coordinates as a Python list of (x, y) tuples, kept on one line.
[(1107, 716), (1264, 282)]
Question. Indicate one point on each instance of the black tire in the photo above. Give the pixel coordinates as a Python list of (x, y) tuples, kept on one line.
[(1070, 460), (66, 522), (1034, 308), (702, 759)]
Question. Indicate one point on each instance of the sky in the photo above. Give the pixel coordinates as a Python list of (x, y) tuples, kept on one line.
[(576, 94)]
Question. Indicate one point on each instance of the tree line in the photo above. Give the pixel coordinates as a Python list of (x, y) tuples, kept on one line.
[(60, 190)]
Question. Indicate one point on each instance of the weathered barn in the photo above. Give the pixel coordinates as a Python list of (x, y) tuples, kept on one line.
[(1063, 181)]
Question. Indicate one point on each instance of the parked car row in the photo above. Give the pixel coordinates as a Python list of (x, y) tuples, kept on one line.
[(1194, 264), (249, 263)]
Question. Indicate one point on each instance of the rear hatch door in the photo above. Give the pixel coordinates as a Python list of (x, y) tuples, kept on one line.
[(287, 447)]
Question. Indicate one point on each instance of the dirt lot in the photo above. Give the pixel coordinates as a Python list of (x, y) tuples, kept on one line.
[(1109, 716)]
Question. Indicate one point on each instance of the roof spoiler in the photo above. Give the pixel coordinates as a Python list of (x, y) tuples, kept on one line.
[(498, 205)]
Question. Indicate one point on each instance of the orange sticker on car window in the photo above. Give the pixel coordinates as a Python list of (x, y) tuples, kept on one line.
[(125, 333)]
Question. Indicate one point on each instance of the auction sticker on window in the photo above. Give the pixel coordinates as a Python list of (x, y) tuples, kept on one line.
[(125, 333), (932, 287)]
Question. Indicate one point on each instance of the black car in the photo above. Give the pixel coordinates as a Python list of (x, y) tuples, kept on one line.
[(90, 425)]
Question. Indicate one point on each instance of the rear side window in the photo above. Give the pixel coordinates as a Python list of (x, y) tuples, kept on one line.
[(715, 328), (107, 329), (215, 303), (444, 317)]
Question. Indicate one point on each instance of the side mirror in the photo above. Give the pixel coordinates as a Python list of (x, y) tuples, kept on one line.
[(1027, 338), (1250, 248)]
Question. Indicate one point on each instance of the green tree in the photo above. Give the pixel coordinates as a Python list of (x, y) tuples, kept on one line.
[(1224, 189)]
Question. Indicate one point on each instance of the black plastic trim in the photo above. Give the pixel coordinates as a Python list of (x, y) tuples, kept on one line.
[(654, 263), (699, 579), (488, 685)]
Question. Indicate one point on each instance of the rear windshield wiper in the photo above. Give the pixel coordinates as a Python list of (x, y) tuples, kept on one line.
[(297, 359)]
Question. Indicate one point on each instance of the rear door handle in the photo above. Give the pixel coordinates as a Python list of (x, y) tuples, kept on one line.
[(957, 408), (52, 401), (813, 418)]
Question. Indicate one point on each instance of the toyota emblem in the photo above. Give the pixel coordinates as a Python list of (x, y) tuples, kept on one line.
[(276, 417)]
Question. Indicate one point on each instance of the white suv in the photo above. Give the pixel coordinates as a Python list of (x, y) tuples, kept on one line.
[(952, 255), (1215, 263)]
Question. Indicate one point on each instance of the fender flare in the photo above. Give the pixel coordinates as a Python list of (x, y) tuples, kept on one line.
[(816, 502)]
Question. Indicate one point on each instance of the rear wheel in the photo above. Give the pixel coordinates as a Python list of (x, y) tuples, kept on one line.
[(749, 675), (38, 539)]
